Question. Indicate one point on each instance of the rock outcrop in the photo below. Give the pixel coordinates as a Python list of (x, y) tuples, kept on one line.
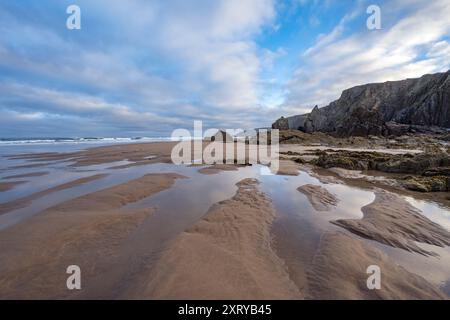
[(389, 108)]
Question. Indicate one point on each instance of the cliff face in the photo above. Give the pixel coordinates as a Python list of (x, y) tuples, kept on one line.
[(393, 107)]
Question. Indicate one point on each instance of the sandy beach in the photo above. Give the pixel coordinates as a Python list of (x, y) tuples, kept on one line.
[(226, 158), (140, 227)]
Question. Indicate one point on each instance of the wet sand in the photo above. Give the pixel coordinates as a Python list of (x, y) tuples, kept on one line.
[(320, 198), (393, 221), (339, 271), (243, 247), (22, 202), (27, 175), (5, 186), (143, 153), (226, 255)]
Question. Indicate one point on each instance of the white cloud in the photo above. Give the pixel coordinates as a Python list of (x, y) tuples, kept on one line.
[(412, 46)]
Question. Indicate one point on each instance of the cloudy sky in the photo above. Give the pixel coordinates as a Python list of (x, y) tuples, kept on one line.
[(144, 68)]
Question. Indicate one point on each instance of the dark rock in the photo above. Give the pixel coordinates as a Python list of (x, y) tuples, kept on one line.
[(445, 137), (390, 108), (281, 124), (427, 184)]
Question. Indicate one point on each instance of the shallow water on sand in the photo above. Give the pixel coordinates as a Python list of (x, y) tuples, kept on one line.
[(297, 228)]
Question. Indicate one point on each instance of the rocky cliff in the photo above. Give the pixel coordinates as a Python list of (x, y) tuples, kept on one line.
[(389, 108)]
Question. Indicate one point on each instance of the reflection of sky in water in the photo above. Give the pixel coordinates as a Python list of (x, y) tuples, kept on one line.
[(201, 191), (299, 225), (432, 211)]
